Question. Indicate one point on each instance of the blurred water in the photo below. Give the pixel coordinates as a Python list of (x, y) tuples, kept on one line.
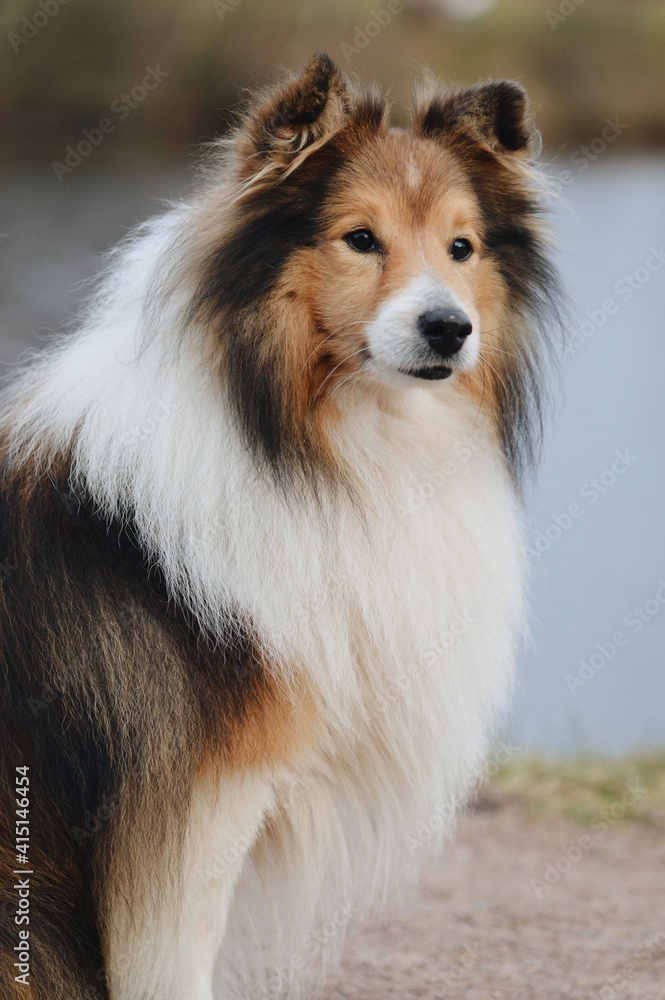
[(593, 572), (591, 567)]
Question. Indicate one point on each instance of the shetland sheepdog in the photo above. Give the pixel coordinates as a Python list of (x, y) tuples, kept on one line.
[(261, 548)]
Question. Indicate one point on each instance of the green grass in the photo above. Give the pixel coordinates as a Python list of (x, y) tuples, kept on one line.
[(586, 789)]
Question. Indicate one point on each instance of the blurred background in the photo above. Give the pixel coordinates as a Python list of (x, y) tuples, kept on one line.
[(103, 108)]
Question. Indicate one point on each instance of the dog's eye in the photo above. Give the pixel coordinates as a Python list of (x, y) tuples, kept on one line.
[(362, 240), (461, 249)]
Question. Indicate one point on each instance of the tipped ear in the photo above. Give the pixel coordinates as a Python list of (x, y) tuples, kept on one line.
[(296, 114), (497, 113)]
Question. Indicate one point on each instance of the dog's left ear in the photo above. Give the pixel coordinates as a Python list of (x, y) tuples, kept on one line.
[(497, 113), (288, 121)]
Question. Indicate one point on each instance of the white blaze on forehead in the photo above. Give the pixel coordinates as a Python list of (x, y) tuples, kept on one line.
[(414, 174)]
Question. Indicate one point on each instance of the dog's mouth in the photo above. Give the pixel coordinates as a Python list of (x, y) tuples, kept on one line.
[(429, 372)]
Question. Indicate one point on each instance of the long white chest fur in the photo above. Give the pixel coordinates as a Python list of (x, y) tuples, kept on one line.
[(404, 615)]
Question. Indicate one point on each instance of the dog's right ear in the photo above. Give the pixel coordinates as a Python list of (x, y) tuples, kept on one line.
[(290, 121)]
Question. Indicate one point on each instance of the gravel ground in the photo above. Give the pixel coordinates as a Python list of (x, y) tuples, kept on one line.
[(479, 930)]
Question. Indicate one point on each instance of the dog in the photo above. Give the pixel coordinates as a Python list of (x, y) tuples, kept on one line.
[(261, 539)]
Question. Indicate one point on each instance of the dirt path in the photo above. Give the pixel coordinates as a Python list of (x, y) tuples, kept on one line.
[(480, 930)]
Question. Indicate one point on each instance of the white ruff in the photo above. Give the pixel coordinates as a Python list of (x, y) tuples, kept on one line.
[(403, 616)]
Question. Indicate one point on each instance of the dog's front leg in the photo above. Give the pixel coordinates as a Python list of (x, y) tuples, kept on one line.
[(165, 947)]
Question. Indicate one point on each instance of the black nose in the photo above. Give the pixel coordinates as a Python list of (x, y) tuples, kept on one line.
[(445, 330)]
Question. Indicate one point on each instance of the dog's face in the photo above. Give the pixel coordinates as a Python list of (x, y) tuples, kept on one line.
[(395, 279), (352, 254)]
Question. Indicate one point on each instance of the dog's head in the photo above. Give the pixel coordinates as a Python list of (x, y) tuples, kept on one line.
[(341, 254)]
